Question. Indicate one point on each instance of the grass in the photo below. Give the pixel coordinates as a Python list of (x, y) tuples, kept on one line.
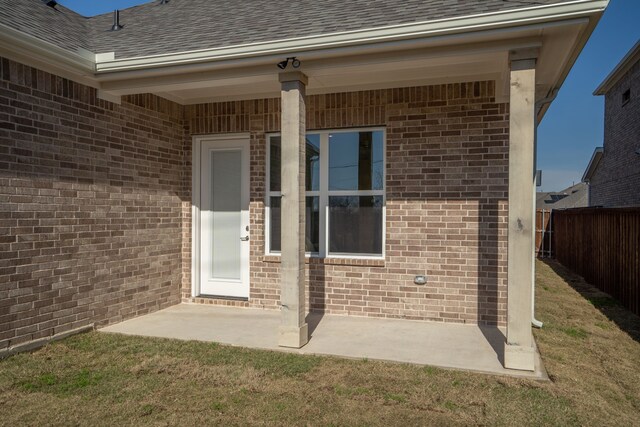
[(590, 347)]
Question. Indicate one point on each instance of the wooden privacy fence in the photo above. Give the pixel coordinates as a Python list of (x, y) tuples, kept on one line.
[(603, 246)]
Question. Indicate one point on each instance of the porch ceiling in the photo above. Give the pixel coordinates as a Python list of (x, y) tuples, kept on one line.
[(349, 77), (466, 347), (435, 60)]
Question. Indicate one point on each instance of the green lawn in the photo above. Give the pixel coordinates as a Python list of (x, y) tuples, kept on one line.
[(590, 347)]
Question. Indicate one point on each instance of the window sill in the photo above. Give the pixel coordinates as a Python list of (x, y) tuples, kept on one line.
[(365, 262)]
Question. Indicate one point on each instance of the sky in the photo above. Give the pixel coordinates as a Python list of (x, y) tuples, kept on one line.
[(574, 125), (95, 7)]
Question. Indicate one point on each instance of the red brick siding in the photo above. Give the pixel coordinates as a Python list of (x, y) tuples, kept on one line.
[(616, 181), (91, 205), (447, 188)]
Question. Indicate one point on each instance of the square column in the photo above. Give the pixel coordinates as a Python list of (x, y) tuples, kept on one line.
[(293, 329), (519, 351)]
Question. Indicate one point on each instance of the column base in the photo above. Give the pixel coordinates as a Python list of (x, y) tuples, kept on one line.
[(519, 357), (293, 337)]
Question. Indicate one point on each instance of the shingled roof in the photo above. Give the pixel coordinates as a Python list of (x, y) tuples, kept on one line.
[(60, 26), (185, 25), (576, 196)]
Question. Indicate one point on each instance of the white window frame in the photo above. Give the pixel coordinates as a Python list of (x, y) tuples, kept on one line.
[(324, 193)]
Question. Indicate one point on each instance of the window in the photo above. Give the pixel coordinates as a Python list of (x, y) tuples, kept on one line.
[(345, 195), (626, 96), (312, 173)]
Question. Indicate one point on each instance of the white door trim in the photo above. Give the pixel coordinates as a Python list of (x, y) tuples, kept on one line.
[(196, 199)]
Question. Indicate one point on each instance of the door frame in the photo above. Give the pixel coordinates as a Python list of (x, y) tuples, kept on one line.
[(196, 200)]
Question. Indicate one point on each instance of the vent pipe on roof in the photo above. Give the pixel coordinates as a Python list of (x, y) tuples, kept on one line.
[(116, 21), (164, 1), (50, 3)]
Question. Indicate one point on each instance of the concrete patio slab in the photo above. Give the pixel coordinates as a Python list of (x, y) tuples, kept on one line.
[(466, 347)]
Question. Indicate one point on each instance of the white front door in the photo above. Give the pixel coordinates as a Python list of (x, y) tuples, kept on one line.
[(224, 217)]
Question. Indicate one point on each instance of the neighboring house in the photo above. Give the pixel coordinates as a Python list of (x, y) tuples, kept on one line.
[(613, 173), (164, 161), (576, 196)]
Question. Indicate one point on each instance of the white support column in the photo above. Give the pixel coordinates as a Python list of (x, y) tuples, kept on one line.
[(519, 351), (293, 329)]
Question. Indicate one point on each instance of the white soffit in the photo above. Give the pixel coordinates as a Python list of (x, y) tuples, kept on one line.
[(486, 60), (351, 78)]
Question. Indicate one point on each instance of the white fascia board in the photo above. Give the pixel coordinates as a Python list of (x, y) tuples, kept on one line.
[(148, 80), (576, 51), (17, 42), (471, 23)]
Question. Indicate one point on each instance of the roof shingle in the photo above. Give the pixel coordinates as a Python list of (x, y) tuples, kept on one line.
[(60, 26), (185, 25)]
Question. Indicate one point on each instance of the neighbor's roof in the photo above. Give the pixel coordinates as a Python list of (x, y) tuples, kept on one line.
[(593, 164), (575, 196), (185, 25), (621, 69)]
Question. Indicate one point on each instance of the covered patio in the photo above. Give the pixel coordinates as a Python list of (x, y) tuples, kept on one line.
[(384, 171), (468, 347)]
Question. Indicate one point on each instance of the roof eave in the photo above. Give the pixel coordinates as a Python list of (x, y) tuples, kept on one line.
[(620, 70), (594, 19), (21, 45), (90, 68), (460, 25), (593, 164)]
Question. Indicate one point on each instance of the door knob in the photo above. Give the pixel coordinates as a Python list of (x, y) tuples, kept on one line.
[(245, 238)]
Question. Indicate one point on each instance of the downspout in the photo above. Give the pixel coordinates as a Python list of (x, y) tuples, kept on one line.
[(539, 105), (548, 100)]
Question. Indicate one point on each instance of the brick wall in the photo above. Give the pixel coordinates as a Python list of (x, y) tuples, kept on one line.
[(447, 171), (616, 181), (91, 205), (95, 204)]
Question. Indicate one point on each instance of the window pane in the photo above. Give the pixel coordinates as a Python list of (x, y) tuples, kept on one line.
[(274, 224), (356, 161), (355, 224), (274, 163), (312, 226), (226, 219), (312, 155)]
